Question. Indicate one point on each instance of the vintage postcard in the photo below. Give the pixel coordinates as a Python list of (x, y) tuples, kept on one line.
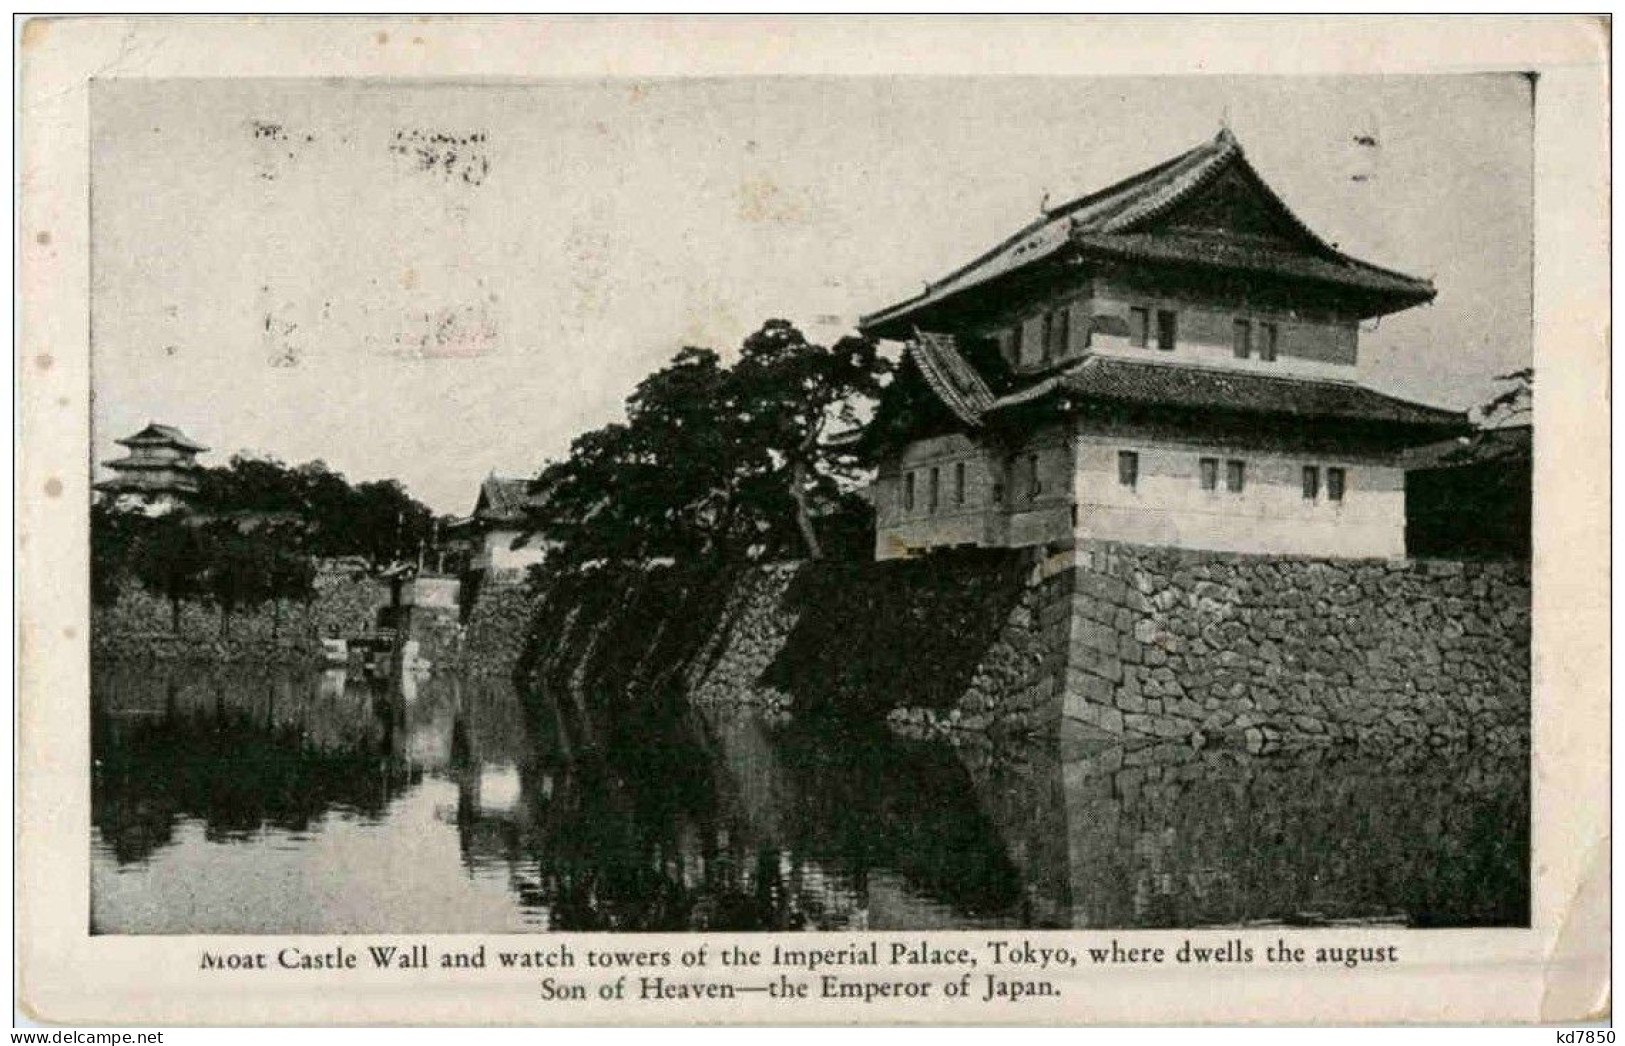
[(809, 520)]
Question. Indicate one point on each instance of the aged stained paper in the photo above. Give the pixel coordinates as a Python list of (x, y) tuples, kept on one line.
[(437, 250)]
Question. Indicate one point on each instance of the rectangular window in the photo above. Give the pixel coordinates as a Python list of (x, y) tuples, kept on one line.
[(1047, 353), (908, 492), (1272, 337), (1167, 329), (1336, 480), (1311, 483), (1210, 473), (1128, 468), (1015, 346), (1235, 475), (1063, 332), (1139, 327), (1242, 339), (959, 483), (1034, 486), (935, 495)]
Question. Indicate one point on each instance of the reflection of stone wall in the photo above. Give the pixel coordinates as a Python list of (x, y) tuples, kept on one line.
[(139, 624), (1166, 835), (1168, 643)]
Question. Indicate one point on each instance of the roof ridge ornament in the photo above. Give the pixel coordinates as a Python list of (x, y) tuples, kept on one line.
[(1121, 219)]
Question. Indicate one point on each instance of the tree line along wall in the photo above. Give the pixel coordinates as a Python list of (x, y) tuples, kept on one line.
[(140, 624), (1114, 641)]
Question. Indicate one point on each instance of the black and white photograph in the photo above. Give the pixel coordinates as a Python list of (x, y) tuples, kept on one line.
[(792, 520), (810, 504)]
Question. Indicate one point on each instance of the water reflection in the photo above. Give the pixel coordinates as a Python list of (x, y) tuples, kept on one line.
[(239, 801)]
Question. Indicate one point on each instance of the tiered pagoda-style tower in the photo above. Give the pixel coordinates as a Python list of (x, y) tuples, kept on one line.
[(160, 473)]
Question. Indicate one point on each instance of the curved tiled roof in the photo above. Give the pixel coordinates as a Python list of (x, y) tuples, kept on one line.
[(1512, 443), (1201, 389), (142, 481), (1115, 220), (954, 381), (162, 435), (502, 499), (1226, 253), (134, 464)]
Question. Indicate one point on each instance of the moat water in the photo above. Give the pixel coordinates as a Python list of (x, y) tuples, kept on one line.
[(247, 800)]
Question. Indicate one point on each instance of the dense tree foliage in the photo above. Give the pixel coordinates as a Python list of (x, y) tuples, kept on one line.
[(247, 569), (169, 558), (1512, 405), (253, 535), (720, 462), (713, 461), (113, 537), (791, 393), (182, 558), (377, 519)]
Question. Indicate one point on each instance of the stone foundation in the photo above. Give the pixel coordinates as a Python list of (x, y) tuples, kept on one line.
[(1271, 649), (1116, 643), (141, 625)]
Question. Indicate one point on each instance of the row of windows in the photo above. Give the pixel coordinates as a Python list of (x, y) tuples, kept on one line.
[(1245, 339), (1235, 476), (1028, 475), (934, 488), (1054, 334), (1249, 337), (1139, 330), (1128, 475), (1336, 483), (1242, 341)]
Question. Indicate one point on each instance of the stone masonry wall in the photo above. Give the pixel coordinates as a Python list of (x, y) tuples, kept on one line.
[(139, 624), (1265, 649), (973, 638), (494, 633), (1116, 642)]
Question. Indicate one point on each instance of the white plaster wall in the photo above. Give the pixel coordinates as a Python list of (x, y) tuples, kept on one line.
[(496, 552), (431, 592), (1307, 347), (1169, 507), (154, 452)]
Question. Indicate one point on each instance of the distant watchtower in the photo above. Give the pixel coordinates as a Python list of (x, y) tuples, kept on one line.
[(495, 533), (158, 476)]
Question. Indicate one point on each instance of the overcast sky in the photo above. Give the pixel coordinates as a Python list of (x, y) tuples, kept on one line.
[(436, 281)]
